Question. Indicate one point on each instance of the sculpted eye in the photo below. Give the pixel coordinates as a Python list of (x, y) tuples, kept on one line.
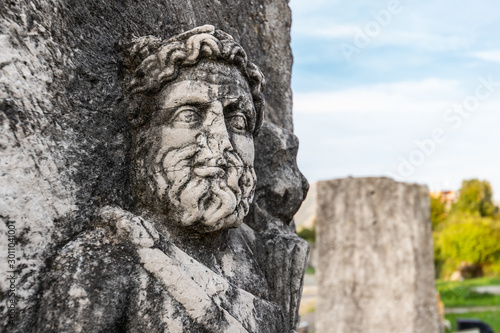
[(237, 123), (187, 116)]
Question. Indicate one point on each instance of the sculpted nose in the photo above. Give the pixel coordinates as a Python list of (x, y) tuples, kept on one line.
[(217, 136)]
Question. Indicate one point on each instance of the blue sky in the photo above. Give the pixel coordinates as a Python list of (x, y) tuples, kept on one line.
[(400, 88)]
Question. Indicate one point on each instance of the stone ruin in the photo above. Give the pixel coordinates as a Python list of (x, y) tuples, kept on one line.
[(375, 257)]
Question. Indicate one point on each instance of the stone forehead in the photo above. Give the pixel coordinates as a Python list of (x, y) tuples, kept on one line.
[(215, 73)]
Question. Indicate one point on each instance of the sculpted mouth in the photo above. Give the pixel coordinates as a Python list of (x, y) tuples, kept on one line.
[(209, 171)]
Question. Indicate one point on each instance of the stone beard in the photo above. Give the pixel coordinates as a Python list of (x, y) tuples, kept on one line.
[(194, 156)]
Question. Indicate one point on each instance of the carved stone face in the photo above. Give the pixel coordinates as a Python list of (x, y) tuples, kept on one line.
[(197, 150)]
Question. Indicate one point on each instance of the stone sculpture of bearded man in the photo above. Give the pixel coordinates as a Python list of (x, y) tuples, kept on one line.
[(182, 260), (196, 103)]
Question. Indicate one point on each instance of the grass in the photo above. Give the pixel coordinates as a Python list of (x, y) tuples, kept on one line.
[(491, 318), (310, 270), (461, 294)]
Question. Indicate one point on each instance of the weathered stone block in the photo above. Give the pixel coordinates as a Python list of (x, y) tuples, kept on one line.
[(68, 146), (375, 267)]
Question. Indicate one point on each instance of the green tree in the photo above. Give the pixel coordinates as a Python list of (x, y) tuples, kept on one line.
[(470, 238), (309, 234), (475, 198), (469, 232), (438, 212)]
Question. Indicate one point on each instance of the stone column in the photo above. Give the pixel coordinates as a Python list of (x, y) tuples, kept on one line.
[(375, 259)]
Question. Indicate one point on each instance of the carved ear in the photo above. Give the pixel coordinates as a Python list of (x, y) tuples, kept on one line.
[(257, 82), (140, 109)]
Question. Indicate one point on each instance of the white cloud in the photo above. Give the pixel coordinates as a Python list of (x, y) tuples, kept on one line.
[(419, 25), (493, 55), (428, 95), (411, 37), (326, 31), (341, 144), (431, 41)]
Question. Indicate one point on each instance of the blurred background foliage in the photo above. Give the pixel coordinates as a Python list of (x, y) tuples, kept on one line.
[(466, 233)]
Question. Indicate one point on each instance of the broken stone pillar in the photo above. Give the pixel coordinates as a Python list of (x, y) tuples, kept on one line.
[(375, 267)]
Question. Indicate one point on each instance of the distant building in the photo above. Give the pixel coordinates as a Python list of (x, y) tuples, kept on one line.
[(447, 197)]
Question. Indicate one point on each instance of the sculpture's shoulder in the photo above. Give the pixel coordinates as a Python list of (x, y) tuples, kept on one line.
[(87, 283), (89, 253), (98, 251)]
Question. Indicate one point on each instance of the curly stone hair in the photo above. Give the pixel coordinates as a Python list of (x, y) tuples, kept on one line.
[(151, 63)]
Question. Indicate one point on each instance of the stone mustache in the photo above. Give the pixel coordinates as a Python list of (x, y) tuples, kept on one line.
[(207, 247)]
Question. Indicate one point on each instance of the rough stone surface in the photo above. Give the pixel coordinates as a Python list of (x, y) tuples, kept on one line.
[(281, 186), (65, 150), (375, 264), (280, 190)]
